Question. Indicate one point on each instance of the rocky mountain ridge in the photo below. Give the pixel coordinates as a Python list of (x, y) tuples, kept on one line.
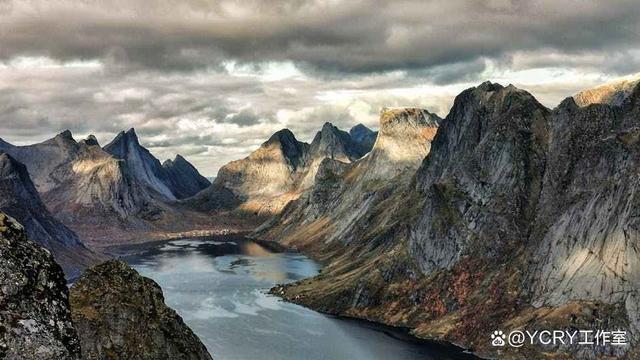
[(277, 172), (104, 195), (519, 217)]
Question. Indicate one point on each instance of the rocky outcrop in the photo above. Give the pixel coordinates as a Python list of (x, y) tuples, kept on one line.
[(184, 179), (519, 218), (121, 315), (19, 199), (35, 321)]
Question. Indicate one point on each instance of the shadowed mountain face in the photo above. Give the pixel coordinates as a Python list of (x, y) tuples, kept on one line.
[(19, 199), (363, 136), (518, 217), (184, 178), (277, 172)]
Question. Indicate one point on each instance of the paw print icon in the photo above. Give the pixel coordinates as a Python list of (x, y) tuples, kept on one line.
[(497, 338)]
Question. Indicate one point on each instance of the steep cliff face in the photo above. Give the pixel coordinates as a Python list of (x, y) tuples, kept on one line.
[(19, 199), (141, 163), (35, 321), (121, 315), (184, 178), (519, 218), (483, 177), (587, 229)]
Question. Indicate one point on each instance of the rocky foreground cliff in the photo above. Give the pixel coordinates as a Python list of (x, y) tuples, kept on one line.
[(112, 312), (121, 315), (518, 218)]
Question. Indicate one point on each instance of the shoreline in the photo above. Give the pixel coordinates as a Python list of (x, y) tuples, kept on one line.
[(401, 333)]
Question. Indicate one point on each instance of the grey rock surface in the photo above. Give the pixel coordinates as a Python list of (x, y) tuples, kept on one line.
[(35, 320)]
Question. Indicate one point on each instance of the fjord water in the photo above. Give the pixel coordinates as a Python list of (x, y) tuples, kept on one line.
[(220, 288)]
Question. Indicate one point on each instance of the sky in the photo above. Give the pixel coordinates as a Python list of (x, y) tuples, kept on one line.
[(212, 80)]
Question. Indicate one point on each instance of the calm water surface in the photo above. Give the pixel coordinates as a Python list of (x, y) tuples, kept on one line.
[(220, 288)]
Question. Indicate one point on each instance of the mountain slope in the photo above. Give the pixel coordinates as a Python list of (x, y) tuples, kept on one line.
[(519, 218), (19, 199)]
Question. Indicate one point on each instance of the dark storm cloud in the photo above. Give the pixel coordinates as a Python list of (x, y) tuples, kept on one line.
[(329, 36)]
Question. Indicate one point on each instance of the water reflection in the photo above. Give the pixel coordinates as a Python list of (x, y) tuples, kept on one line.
[(219, 286)]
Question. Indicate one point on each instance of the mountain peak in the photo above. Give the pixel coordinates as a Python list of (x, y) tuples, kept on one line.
[(65, 135), (282, 136), (91, 141), (610, 94)]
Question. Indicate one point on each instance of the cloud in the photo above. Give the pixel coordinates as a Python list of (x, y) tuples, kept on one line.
[(357, 36)]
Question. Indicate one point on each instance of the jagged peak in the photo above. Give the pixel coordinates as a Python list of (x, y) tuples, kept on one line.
[(65, 135), (282, 136), (91, 140)]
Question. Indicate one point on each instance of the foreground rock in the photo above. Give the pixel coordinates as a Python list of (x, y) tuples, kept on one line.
[(122, 315), (35, 321)]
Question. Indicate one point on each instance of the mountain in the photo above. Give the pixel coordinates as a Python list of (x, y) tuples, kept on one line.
[(184, 178), (363, 136), (121, 315), (517, 218), (276, 173), (611, 94), (99, 196), (35, 321), (142, 165), (330, 143), (19, 199)]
